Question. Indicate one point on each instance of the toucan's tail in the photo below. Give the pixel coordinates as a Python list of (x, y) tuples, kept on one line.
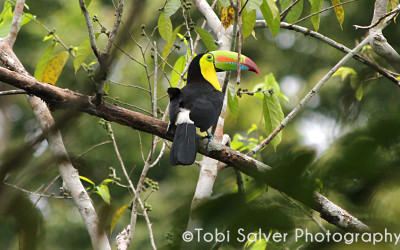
[(183, 150)]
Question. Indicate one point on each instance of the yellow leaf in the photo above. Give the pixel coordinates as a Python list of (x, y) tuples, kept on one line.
[(227, 16), (339, 12), (53, 68), (116, 217)]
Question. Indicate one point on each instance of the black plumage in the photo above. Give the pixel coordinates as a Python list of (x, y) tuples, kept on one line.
[(204, 104)]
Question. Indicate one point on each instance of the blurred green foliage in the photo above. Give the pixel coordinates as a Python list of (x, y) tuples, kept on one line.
[(356, 167)]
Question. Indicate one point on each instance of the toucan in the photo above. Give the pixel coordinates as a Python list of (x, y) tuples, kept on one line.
[(199, 102)]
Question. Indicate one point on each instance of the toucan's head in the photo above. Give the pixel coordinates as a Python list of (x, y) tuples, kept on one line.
[(205, 66)]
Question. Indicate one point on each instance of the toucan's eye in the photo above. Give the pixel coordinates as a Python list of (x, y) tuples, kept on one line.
[(209, 57)]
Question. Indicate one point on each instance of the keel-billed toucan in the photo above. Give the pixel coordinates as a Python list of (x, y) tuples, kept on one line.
[(199, 103)]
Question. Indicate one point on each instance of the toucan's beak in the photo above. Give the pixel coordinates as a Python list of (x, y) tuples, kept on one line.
[(228, 60)]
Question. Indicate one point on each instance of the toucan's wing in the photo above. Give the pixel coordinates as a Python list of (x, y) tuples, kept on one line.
[(175, 98), (206, 109)]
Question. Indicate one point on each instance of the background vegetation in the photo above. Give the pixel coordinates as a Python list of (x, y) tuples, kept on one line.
[(346, 143)]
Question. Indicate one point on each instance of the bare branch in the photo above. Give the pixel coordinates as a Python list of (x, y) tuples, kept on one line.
[(113, 34), (90, 149), (37, 194), (12, 92), (321, 11), (68, 172), (129, 232), (307, 98), (16, 22), (89, 25), (394, 11), (286, 11), (336, 45), (378, 41), (58, 97)]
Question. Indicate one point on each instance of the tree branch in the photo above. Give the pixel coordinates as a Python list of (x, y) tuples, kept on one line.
[(377, 40), (336, 45), (63, 98), (68, 172), (307, 98), (113, 34), (12, 92)]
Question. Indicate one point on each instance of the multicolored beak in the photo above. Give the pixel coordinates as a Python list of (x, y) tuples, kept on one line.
[(228, 60)]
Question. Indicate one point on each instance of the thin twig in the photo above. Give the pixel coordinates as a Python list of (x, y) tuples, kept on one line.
[(321, 11), (129, 85), (397, 9), (239, 66), (336, 45), (307, 98), (286, 11), (88, 150), (113, 34), (41, 195), (13, 92), (89, 25), (47, 188), (129, 105), (131, 233), (294, 203)]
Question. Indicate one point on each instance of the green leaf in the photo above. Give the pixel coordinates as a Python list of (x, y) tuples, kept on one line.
[(233, 101), (87, 2), (171, 7), (207, 39), (183, 38), (116, 217), (295, 11), (169, 44), (107, 87), (104, 193), (357, 85), (87, 180), (43, 60), (82, 53), (271, 15), (273, 115), (248, 20), (107, 181), (224, 3), (6, 17), (344, 72), (252, 128), (178, 66), (260, 86), (53, 68), (164, 27), (270, 82), (27, 17), (359, 92), (339, 12), (316, 6), (393, 4), (253, 4), (236, 143)]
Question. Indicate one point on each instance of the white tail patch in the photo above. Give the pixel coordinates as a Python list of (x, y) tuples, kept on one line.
[(183, 117)]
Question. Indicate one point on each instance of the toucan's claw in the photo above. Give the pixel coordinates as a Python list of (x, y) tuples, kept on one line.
[(210, 137)]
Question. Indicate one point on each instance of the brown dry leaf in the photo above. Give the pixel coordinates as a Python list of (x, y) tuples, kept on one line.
[(227, 16)]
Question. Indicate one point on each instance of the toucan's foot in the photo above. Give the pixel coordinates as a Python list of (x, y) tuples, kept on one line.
[(210, 137)]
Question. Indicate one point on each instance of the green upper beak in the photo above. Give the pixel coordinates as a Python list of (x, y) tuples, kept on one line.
[(228, 60)]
